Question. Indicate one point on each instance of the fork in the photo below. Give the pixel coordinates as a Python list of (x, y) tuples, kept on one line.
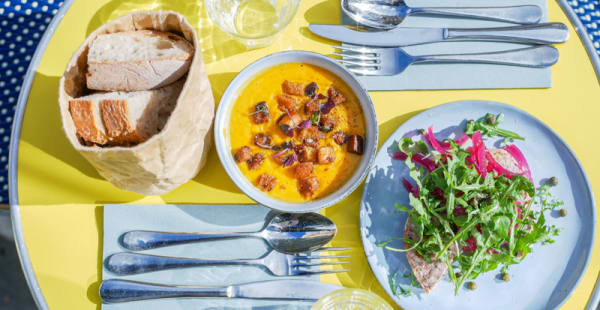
[(391, 61), (279, 264)]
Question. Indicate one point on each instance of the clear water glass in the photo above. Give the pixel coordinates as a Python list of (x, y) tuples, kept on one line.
[(351, 299), (253, 22)]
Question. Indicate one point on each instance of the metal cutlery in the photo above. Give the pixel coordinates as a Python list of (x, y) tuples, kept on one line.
[(114, 291), (547, 33), (284, 232), (387, 14), (278, 264), (391, 61)]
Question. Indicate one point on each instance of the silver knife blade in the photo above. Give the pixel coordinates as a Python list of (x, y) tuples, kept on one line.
[(390, 38), (282, 289)]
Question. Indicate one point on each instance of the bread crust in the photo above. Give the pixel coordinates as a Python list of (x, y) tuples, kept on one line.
[(115, 116), (82, 112)]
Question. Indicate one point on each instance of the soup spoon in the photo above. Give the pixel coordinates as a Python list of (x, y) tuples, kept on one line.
[(389, 14), (284, 232)]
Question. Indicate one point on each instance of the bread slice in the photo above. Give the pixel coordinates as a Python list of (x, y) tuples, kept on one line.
[(123, 118), (137, 60), (429, 274)]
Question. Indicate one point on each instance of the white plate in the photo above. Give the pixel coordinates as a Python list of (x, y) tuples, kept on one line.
[(546, 278)]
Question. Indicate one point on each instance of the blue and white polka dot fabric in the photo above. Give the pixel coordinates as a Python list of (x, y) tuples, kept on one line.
[(589, 13), (23, 22)]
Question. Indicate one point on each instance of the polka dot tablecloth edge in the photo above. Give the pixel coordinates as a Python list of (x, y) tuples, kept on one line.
[(22, 25)]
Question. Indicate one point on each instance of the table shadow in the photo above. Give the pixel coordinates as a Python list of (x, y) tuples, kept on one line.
[(326, 12), (213, 174), (94, 288), (45, 130), (215, 43)]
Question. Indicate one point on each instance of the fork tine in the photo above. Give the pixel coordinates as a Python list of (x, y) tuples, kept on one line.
[(319, 264), (362, 71), (358, 63), (356, 56), (304, 273), (357, 49), (306, 257)]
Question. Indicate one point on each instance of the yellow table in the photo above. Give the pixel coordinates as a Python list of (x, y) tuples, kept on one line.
[(57, 197)]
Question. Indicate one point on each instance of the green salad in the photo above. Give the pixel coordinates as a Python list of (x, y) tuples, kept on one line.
[(472, 207)]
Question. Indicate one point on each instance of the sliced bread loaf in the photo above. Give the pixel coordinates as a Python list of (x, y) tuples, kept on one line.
[(123, 118), (137, 60)]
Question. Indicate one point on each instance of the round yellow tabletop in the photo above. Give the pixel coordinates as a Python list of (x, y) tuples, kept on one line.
[(57, 197)]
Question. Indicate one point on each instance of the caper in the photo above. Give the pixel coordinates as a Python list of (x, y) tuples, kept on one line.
[(472, 286), (563, 212), (505, 277), (491, 119), (553, 181)]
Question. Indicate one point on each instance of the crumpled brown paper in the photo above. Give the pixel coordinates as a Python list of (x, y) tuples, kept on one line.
[(174, 155)]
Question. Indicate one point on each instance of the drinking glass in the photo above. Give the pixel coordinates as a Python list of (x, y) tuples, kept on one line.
[(351, 299), (252, 22)]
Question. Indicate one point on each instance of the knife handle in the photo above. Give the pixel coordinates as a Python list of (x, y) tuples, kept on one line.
[(521, 14), (536, 57), (548, 33), (114, 291)]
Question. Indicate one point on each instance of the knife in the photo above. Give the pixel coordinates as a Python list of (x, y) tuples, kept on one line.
[(114, 291), (547, 33)]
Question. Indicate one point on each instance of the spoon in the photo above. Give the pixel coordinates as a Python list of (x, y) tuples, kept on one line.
[(284, 232), (389, 14)]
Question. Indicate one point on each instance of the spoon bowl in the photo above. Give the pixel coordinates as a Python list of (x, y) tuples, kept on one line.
[(385, 15), (284, 232), (294, 232)]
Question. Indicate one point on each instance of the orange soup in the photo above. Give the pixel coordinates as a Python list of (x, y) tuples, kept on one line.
[(297, 132)]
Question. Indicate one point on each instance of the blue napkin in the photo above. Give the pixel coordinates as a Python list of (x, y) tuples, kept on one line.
[(194, 218), (460, 76)]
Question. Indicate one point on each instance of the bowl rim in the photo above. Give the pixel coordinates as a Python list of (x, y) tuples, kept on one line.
[(242, 182)]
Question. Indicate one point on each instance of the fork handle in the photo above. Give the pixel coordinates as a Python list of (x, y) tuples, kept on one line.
[(113, 291), (547, 33), (522, 14), (134, 263), (537, 57), (138, 240)]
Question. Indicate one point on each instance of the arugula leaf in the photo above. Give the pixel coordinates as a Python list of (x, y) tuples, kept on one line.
[(401, 208), (487, 222), (407, 145), (395, 286), (488, 126), (393, 283), (501, 225)]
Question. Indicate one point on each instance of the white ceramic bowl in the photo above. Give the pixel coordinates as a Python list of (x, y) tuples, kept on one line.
[(222, 133)]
